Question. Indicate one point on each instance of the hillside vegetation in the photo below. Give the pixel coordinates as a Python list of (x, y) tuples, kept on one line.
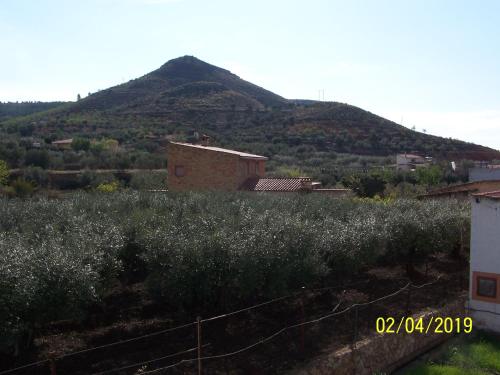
[(187, 95), (15, 109)]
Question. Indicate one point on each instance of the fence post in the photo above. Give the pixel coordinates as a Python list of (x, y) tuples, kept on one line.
[(355, 335), (52, 363), (303, 319), (408, 300), (198, 321)]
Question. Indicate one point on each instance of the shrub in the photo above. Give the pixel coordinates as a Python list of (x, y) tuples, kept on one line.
[(109, 187), (20, 188), (4, 172), (37, 158), (80, 144)]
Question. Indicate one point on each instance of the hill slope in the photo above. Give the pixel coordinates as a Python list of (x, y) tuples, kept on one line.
[(11, 109), (182, 83), (187, 94)]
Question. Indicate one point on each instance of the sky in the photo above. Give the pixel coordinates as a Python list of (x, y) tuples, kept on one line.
[(431, 64)]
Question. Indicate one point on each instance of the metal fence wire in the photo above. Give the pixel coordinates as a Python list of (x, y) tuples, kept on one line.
[(350, 319)]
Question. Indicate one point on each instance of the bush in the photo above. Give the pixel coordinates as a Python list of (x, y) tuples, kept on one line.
[(4, 172), (109, 187), (20, 188), (148, 180), (36, 176), (80, 144), (37, 158)]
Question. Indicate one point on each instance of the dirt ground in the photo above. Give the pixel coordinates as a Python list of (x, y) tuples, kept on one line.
[(128, 312)]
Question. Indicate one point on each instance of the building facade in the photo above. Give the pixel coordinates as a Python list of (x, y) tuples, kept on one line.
[(199, 167), (487, 173), (410, 162), (463, 191), (484, 294)]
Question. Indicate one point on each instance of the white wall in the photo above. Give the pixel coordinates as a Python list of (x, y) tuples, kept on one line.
[(484, 174), (485, 256)]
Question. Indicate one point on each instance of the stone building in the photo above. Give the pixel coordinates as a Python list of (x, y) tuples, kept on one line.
[(203, 167), (410, 162)]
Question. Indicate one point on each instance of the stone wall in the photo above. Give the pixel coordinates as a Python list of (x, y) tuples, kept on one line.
[(380, 353), (203, 169)]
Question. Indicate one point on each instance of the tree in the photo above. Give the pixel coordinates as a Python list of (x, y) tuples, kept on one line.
[(78, 98), (37, 158), (80, 144), (429, 176), (365, 185), (4, 172)]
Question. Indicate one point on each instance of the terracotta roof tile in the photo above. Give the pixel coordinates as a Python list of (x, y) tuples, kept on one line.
[(277, 184), (489, 194)]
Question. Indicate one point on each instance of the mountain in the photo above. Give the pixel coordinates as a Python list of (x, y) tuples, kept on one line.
[(182, 83), (186, 95)]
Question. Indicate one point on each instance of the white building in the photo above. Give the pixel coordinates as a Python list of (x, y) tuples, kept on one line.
[(487, 173), (484, 294), (410, 162)]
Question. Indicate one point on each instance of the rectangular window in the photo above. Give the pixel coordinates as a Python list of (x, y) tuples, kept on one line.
[(179, 171), (486, 287)]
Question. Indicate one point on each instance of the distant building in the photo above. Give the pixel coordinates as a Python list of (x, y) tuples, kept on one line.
[(463, 191), (63, 144), (484, 295), (410, 162), (203, 167), (484, 173)]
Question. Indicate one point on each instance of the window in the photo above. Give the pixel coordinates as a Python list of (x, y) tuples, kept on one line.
[(486, 287), (179, 171)]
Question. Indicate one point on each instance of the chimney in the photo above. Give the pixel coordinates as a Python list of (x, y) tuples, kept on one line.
[(205, 140)]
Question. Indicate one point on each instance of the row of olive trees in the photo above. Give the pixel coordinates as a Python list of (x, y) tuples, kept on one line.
[(200, 252)]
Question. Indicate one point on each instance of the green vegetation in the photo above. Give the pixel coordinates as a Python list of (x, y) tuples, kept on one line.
[(469, 356), (19, 188), (4, 172), (10, 109), (201, 253), (109, 187)]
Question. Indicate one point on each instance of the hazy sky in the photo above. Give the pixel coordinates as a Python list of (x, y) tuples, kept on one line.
[(430, 64)]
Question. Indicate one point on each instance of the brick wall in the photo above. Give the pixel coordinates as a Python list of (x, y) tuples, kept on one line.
[(205, 169)]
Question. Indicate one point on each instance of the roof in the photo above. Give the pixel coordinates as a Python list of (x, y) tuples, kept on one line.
[(468, 187), (489, 194), (243, 155), (411, 156), (63, 141), (277, 184)]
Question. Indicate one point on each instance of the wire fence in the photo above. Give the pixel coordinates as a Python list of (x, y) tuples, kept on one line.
[(351, 312)]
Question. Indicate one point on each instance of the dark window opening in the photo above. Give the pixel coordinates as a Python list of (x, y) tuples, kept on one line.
[(179, 171), (486, 287)]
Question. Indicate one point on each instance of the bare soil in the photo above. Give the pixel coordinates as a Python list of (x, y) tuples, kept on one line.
[(129, 312)]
